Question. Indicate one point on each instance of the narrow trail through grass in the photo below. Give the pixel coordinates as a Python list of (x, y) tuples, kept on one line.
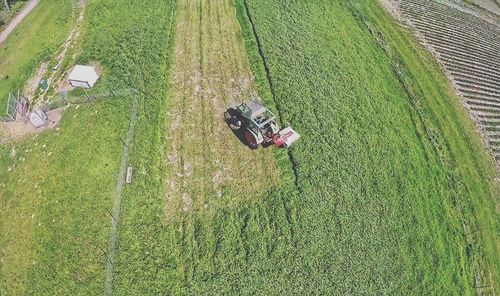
[(17, 19), (207, 165)]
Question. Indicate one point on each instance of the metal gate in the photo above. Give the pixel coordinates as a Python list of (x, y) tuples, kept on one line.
[(11, 111), (16, 104)]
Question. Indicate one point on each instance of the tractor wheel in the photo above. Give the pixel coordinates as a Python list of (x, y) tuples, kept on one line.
[(251, 140)]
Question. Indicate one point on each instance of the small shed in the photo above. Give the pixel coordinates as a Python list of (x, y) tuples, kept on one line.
[(83, 76), (38, 118)]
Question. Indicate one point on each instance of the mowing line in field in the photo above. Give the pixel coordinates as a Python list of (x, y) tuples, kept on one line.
[(118, 197), (271, 87), (207, 166)]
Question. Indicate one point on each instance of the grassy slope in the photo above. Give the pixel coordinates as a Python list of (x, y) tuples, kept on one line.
[(381, 173), (53, 203), (55, 226), (34, 40), (458, 136)]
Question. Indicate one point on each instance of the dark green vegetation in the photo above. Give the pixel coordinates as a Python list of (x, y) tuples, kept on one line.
[(34, 40), (390, 166), (388, 170)]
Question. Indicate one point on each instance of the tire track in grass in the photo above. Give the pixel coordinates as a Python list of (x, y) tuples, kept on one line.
[(115, 219), (225, 235), (208, 167)]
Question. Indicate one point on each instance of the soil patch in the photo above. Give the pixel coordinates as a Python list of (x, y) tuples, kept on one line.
[(20, 128)]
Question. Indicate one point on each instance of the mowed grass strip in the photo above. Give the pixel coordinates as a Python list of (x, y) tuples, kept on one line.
[(207, 166), (235, 247), (35, 39)]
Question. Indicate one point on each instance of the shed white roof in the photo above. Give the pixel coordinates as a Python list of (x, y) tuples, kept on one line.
[(84, 73)]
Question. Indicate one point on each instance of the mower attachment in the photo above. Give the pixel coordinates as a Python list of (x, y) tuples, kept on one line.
[(286, 137)]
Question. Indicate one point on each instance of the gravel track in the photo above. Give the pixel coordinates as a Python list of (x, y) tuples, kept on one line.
[(13, 24)]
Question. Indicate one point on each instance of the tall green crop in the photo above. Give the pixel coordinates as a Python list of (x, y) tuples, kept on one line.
[(381, 164)]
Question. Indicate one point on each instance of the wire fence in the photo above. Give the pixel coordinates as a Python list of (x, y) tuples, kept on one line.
[(88, 97), (17, 102), (87, 246)]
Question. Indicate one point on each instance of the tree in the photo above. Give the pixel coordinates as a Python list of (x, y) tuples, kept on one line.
[(6, 5)]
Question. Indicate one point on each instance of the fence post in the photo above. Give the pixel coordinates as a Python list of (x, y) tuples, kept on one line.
[(88, 98), (63, 97)]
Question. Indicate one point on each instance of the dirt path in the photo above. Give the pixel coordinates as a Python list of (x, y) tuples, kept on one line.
[(208, 166), (56, 71), (13, 24), (72, 36)]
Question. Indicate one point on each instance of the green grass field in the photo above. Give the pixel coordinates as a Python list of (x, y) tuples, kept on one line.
[(389, 190), (390, 166), (55, 192), (34, 40), (7, 16)]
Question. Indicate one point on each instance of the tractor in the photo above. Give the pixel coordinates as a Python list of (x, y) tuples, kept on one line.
[(258, 126)]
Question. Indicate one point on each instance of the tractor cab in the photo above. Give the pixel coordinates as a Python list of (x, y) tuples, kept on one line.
[(259, 119)]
